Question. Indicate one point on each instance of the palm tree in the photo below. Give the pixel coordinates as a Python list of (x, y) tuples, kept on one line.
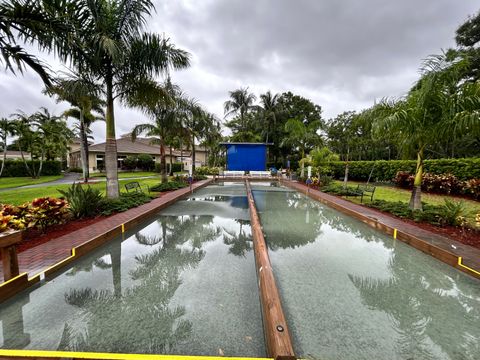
[(439, 106), (165, 115), (270, 107), (125, 59), (301, 136), (240, 104), (7, 128), (39, 134), (83, 94), (49, 24)]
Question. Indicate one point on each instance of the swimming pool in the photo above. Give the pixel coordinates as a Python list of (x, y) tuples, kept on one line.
[(351, 292), (184, 283)]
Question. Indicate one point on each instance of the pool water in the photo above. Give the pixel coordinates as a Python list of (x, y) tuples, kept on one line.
[(184, 283), (351, 292)]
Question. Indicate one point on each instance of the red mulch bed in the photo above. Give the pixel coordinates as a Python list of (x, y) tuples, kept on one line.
[(33, 237)]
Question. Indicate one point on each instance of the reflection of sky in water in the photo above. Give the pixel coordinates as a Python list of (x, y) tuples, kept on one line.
[(183, 284), (350, 292)]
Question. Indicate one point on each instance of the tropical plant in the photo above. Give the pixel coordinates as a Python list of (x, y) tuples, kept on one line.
[(440, 105), (124, 58), (270, 108), (240, 104), (49, 24), (42, 135), (82, 201), (83, 94), (302, 136)]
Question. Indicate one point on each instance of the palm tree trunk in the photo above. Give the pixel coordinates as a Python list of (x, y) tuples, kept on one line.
[(23, 158), (163, 162), (171, 162), (4, 154), (345, 178), (193, 154), (42, 158), (181, 154), (302, 165), (416, 197), (111, 158), (83, 148)]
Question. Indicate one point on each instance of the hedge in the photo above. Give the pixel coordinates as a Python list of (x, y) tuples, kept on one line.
[(176, 167), (384, 170), (14, 168)]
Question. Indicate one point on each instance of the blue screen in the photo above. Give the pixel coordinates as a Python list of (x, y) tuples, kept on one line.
[(246, 157)]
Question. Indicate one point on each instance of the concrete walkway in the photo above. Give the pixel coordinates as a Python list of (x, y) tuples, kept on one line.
[(469, 254), (40, 257)]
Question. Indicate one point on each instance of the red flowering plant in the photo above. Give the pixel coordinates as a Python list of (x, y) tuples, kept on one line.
[(44, 212)]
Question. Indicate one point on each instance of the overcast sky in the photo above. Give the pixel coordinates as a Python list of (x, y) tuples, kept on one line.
[(341, 54)]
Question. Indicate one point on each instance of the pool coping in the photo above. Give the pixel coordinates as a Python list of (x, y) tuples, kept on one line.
[(22, 281), (399, 231)]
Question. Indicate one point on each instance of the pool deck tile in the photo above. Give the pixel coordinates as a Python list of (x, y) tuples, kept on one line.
[(38, 258), (469, 254)]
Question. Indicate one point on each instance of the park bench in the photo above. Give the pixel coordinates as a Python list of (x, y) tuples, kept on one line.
[(362, 190), (134, 186)]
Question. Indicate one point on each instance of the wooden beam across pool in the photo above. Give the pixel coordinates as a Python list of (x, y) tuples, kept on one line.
[(277, 336)]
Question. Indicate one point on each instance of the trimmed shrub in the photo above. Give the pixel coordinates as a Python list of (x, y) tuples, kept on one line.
[(170, 185), (14, 168), (123, 203), (384, 170), (75, 170)]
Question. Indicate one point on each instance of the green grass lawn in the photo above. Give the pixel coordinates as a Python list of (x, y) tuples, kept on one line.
[(21, 196), (129, 174), (391, 193), (8, 182)]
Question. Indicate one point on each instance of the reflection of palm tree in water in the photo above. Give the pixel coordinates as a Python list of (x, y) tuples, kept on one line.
[(141, 319), (240, 243), (424, 307)]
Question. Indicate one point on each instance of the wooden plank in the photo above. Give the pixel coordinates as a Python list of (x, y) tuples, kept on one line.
[(277, 335)]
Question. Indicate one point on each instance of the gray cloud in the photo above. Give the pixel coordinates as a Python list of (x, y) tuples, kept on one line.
[(341, 54)]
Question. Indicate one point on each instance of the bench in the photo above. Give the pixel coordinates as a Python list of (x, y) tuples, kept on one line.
[(362, 190), (261, 174), (135, 186), (233, 173)]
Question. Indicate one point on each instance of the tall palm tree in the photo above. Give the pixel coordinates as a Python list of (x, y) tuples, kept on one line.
[(83, 94), (125, 59), (240, 104), (270, 107), (7, 128), (439, 106)]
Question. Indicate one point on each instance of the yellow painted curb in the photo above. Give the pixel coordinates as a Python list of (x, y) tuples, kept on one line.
[(12, 279), (112, 356), (466, 267)]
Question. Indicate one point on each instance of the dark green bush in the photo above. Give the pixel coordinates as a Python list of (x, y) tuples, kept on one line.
[(14, 168), (129, 163), (123, 203), (170, 185), (145, 162), (176, 167), (75, 170), (83, 200), (384, 170)]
